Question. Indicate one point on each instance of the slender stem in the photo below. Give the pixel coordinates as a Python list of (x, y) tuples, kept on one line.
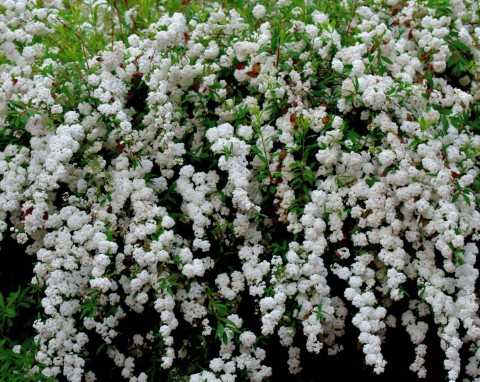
[(264, 150), (355, 5), (119, 19)]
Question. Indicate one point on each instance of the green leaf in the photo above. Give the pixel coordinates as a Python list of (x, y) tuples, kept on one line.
[(445, 122), (10, 312), (100, 348), (455, 197), (457, 184), (220, 330), (13, 296), (372, 181), (461, 46), (387, 60)]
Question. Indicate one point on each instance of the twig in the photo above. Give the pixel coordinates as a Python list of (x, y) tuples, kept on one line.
[(119, 19), (355, 5)]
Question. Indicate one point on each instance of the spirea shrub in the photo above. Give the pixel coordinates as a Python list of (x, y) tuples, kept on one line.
[(213, 176)]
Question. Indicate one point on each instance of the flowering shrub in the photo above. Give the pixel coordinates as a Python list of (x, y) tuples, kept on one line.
[(195, 179)]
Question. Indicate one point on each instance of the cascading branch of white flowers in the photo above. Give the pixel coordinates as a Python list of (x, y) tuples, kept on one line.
[(209, 176)]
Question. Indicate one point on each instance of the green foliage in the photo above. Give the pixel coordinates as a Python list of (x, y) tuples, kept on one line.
[(220, 310), (305, 165), (17, 351), (10, 306), (83, 30)]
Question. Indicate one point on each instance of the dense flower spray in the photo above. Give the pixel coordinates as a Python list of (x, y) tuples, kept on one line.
[(213, 173)]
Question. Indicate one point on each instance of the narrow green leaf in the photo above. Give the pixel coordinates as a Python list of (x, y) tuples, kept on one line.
[(387, 60)]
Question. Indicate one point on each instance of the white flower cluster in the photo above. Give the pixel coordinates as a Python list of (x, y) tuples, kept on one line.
[(206, 165)]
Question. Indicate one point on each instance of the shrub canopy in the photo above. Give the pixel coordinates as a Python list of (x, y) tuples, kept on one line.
[(193, 179)]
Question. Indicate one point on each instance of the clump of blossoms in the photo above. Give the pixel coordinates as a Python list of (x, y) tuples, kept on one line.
[(209, 175)]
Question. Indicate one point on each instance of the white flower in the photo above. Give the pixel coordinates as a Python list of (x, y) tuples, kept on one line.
[(337, 65), (71, 117), (211, 51), (244, 49), (374, 97), (247, 338), (258, 11), (142, 298), (17, 349), (56, 109)]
